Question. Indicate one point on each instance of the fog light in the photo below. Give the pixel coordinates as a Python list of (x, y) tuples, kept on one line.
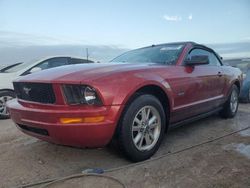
[(96, 119)]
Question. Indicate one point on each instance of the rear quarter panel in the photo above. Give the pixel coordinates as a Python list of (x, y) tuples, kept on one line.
[(231, 75)]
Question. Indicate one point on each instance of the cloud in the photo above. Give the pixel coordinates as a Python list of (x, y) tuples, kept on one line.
[(232, 50), (21, 47), (246, 38), (14, 39), (190, 17), (172, 18)]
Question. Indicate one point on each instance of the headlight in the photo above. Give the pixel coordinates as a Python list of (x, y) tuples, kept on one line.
[(80, 94)]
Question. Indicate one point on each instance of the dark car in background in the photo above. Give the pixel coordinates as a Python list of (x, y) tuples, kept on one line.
[(244, 66)]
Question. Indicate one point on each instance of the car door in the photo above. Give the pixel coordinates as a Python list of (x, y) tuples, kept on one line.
[(219, 79), (196, 88)]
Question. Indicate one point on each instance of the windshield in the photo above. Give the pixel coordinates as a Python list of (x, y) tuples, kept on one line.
[(162, 54), (19, 67), (8, 67)]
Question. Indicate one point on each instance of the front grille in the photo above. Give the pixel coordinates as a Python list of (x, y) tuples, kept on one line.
[(36, 92), (34, 130)]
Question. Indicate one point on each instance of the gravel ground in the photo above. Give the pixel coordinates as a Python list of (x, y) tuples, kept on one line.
[(221, 163)]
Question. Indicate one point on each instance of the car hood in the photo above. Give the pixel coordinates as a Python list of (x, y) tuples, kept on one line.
[(85, 72), (6, 80)]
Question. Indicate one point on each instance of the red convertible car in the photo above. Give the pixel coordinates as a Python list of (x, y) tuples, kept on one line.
[(133, 99)]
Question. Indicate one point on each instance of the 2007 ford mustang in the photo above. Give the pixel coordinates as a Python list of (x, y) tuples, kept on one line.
[(133, 99)]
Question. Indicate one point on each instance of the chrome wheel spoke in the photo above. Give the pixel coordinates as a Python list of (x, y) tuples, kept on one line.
[(151, 135), (5, 111), (137, 121), (136, 128), (152, 120), (141, 140), (3, 108), (138, 138), (147, 139), (144, 114), (148, 113)]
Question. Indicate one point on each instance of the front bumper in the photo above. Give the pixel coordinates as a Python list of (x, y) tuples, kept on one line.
[(43, 122)]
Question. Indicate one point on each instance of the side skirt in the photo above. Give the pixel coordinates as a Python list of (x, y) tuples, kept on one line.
[(195, 118)]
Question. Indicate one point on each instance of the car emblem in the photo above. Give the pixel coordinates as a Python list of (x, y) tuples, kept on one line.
[(26, 90)]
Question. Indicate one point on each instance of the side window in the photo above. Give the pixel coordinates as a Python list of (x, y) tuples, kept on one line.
[(79, 61), (56, 62), (47, 64), (198, 52), (76, 61), (43, 65), (213, 60)]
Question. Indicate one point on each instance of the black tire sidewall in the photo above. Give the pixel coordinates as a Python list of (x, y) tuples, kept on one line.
[(125, 133)]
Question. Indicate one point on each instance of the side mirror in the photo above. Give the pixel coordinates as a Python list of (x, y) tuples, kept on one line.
[(35, 69), (197, 60)]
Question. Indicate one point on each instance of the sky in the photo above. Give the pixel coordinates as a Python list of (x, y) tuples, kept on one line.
[(122, 24)]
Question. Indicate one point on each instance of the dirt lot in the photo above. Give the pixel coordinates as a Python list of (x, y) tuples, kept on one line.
[(185, 158)]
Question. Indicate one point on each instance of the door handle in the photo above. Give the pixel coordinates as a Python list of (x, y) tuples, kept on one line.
[(219, 74)]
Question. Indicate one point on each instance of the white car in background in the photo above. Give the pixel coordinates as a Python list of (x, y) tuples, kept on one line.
[(6, 67), (7, 77)]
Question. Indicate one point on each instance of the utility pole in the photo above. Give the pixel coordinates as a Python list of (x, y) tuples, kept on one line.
[(87, 54)]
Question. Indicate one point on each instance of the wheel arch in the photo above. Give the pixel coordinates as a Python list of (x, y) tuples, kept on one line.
[(153, 89), (10, 90), (237, 83), (156, 91)]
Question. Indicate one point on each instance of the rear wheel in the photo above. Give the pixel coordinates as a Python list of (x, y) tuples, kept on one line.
[(4, 97), (142, 128), (230, 108)]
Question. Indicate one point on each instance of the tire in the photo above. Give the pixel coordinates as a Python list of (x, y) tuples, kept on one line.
[(142, 128), (230, 107), (4, 97)]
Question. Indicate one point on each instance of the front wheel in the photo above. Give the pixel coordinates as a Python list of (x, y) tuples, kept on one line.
[(142, 128), (4, 97), (230, 108)]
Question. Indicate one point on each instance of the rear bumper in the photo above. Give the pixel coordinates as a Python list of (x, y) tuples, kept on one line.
[(44, 123)]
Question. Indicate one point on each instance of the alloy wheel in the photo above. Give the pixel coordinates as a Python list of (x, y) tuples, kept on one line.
[(3, 108), (234, 101), (146, 128)]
